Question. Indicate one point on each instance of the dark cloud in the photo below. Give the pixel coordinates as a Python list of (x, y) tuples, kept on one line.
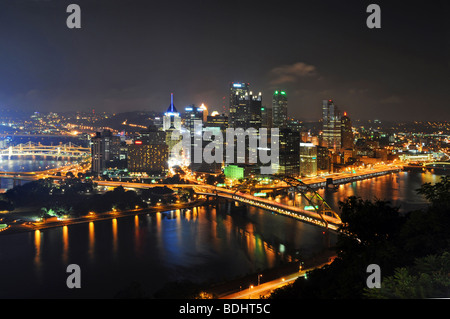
[(133, 54), (291, 73)]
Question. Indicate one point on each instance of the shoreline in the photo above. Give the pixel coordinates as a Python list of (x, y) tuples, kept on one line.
[(20, 228)]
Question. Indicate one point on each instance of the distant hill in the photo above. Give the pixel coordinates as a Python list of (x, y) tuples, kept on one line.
[(135, 118)]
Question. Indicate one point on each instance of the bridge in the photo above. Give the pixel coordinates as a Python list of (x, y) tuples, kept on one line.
[(438, 165), (33, 149), (54, 173), (432, 166), (317, 213)]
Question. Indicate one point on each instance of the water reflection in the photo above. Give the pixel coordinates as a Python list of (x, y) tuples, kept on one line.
[(37, 245), (205, 243), (114, 233), (399, 189), (65, 254), (91, 241)]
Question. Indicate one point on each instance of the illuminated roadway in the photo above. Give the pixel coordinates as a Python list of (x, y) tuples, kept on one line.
[(266, 288)]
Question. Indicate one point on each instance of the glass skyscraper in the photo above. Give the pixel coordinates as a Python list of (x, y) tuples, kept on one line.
[(279, 109), (331, 128), (245, 107)]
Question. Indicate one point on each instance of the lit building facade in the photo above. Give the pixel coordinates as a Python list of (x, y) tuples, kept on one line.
[(331, 128), (245, 107), (150, 159), (105, 150), (346, 133), (279, 109), (171, 118), (308, 159), (289, 161)]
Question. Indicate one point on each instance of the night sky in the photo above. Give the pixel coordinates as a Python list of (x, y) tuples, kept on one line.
[(131, 54)]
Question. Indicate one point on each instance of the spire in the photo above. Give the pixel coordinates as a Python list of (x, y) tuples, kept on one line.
[(172, 108)]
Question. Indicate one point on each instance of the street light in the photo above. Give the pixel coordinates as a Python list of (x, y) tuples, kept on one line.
[(259, 276)]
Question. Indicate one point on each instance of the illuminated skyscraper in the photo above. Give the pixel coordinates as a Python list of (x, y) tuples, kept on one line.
[(266, 117), (331, 125), (346, 132), (172, 127), (204, 110), (105, 150), (289, 148), (191, 115), (308, 159), (171, 117), (245, 107), (279, 109), (148, 158), (237, 90)]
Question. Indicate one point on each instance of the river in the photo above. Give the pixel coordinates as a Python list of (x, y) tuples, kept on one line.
[(205, 244)]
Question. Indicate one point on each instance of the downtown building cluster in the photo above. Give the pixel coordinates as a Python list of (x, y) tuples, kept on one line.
[(299, 153), (333, 147)]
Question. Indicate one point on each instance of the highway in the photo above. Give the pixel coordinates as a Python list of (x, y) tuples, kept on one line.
[(264, 289)]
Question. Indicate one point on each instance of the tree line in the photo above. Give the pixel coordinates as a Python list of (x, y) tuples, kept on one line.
[(411, 249), (77, 197)]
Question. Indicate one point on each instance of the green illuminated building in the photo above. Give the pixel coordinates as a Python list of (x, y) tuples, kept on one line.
[(234, 172)]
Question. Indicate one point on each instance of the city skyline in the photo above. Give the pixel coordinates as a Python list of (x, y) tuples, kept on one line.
[(168, 150), (131, 57)]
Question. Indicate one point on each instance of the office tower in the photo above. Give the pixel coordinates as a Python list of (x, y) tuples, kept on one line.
[(245, 113), (308, 159), (288, 161), (323, 160), (191, 115), (233, 172), (346, 132), (245, 107), (204, 111), (279, 109), (105, 150), (147, 158), (266, 117), (217, 120), (173, 137), (152, 136), (237, 90), (331, 125), (295, 125), (158, 122), (171, 118), (172, 127)]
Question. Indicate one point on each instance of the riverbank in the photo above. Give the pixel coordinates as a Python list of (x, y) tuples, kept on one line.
[(33, 226)]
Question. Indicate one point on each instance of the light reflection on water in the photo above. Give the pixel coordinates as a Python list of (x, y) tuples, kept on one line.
[(399, 189), (28, 164), (201, 244)]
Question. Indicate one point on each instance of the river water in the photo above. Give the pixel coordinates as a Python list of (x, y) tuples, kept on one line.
[(205, 244)]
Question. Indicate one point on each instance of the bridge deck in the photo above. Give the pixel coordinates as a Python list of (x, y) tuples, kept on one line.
[(310, 217)]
